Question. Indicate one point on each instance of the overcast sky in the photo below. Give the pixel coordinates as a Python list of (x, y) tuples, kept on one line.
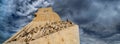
[(99, 20)]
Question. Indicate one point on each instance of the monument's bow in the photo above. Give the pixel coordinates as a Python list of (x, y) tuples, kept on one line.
[(47, 28)]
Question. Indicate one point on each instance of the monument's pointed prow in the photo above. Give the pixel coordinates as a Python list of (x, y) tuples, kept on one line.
[(46, 28), (46, 15)]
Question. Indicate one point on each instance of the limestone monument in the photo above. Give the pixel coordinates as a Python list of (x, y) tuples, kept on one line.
[(46, 28)]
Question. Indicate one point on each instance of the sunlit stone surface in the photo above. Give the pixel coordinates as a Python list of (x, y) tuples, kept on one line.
[(47, 28)]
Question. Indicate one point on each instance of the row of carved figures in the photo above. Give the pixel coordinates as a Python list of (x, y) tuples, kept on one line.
[(41, 31)]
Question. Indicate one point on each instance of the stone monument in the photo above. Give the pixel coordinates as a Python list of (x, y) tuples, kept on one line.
[(46, 28)]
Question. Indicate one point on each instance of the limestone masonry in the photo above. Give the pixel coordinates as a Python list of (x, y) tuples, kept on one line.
[(46, 28)]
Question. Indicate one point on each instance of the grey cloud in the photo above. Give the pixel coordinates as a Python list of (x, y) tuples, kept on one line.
[(98, 19)]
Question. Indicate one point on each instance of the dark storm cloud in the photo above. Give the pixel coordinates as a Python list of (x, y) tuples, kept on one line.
[(75, 7)]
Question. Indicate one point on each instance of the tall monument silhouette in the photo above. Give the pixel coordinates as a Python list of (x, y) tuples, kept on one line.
[(46, 28)]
